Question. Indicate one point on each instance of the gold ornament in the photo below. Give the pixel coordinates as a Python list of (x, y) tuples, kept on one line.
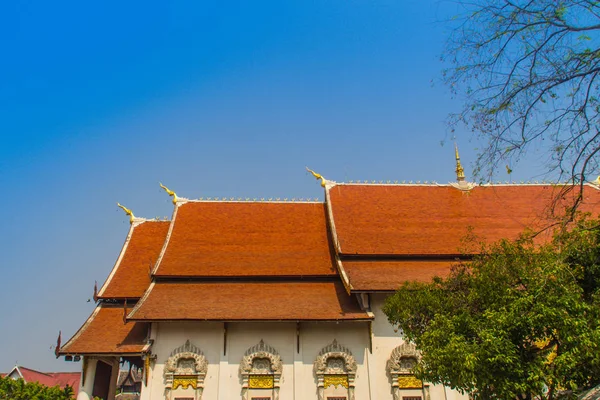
[(335, 380), (261, 382), (184, 381), (409, 382)]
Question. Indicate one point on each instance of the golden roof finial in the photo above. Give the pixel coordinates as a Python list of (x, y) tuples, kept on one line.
[(169, 192), (317, 176), (460, 171), (128, 212)]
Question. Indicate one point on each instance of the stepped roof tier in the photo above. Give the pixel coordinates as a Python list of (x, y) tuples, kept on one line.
[(105, 333), (386, 235), (248, 301), (130, 276), (432, 220), (241, 239)]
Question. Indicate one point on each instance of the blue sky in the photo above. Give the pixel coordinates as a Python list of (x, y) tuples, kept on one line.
[(101, 100)]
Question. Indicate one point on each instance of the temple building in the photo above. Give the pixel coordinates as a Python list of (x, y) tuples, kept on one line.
[(276, 299)]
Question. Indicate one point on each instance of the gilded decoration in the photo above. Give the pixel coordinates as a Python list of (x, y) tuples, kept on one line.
[(335, 365), (409, 382), (403, 360), (335, 380), (184, 382), (261, 382), (261, 365), (185, 367)]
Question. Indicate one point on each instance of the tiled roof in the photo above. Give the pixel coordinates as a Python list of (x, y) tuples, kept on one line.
[(105, 333), (235, 301), (432, 220), (130, 276), (390, 275), (226, 239), (50, 379)]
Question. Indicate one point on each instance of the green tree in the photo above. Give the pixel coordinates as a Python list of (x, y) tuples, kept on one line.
[(519, 321), (527, 72), (19, 390)]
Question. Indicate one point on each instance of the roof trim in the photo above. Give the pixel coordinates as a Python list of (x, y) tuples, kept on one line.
[(168, 237), (366, 319), (140, 301), (336, 242)]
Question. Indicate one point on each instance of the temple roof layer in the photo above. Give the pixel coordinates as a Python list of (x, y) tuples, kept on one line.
[(249, 301), (226, 239), (130, 276), (372, 276), (105, 333), (433, 220)]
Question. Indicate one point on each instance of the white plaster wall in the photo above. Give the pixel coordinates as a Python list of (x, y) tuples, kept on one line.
[(298, 380), (167, 337)]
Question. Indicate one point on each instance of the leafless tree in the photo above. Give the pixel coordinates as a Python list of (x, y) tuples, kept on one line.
[(528, 73)]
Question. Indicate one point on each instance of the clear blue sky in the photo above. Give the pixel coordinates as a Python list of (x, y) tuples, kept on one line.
[(101, 100)]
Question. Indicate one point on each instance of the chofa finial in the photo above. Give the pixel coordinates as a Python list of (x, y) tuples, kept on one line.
[(169, 192), (128, 212), (317, 176), (460, 171)]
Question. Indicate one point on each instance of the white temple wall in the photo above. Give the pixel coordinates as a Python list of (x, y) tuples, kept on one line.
[(298, 379)]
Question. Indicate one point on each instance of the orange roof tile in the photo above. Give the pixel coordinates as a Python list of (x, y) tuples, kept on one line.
[(235, 301), (432, 220), (218, 239), (130, 276), (105, 333), (390, 275)]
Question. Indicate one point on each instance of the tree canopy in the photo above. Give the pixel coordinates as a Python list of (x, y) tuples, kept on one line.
[(11, 389), (519, 320), (527, 71)]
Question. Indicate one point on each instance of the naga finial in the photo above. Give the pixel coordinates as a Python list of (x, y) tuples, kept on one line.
[(128, 212), (169, 192), (460, 171), (317, 176)]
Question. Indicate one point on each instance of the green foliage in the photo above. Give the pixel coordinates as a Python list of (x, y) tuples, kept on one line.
[(19, 390), (518, 321)]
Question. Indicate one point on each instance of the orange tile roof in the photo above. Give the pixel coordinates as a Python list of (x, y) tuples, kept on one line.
[(218, 239), (105, 333), (235, 301), (130, 276), (390, 275), (432, 220)]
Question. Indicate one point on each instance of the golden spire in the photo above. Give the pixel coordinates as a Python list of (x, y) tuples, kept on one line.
[(169, 192), (460, 171), (128, 212), (317, 176)]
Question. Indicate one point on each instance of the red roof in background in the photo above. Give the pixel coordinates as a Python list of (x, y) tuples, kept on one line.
[(225, 239), (61, 379), (234, 301), (432, 220), (131, 274), (105, 333), (390, 275)]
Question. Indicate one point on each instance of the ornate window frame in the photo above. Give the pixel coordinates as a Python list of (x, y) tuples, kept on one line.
[(253, 378), (401, 375), (176, 375), (328, 375)]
